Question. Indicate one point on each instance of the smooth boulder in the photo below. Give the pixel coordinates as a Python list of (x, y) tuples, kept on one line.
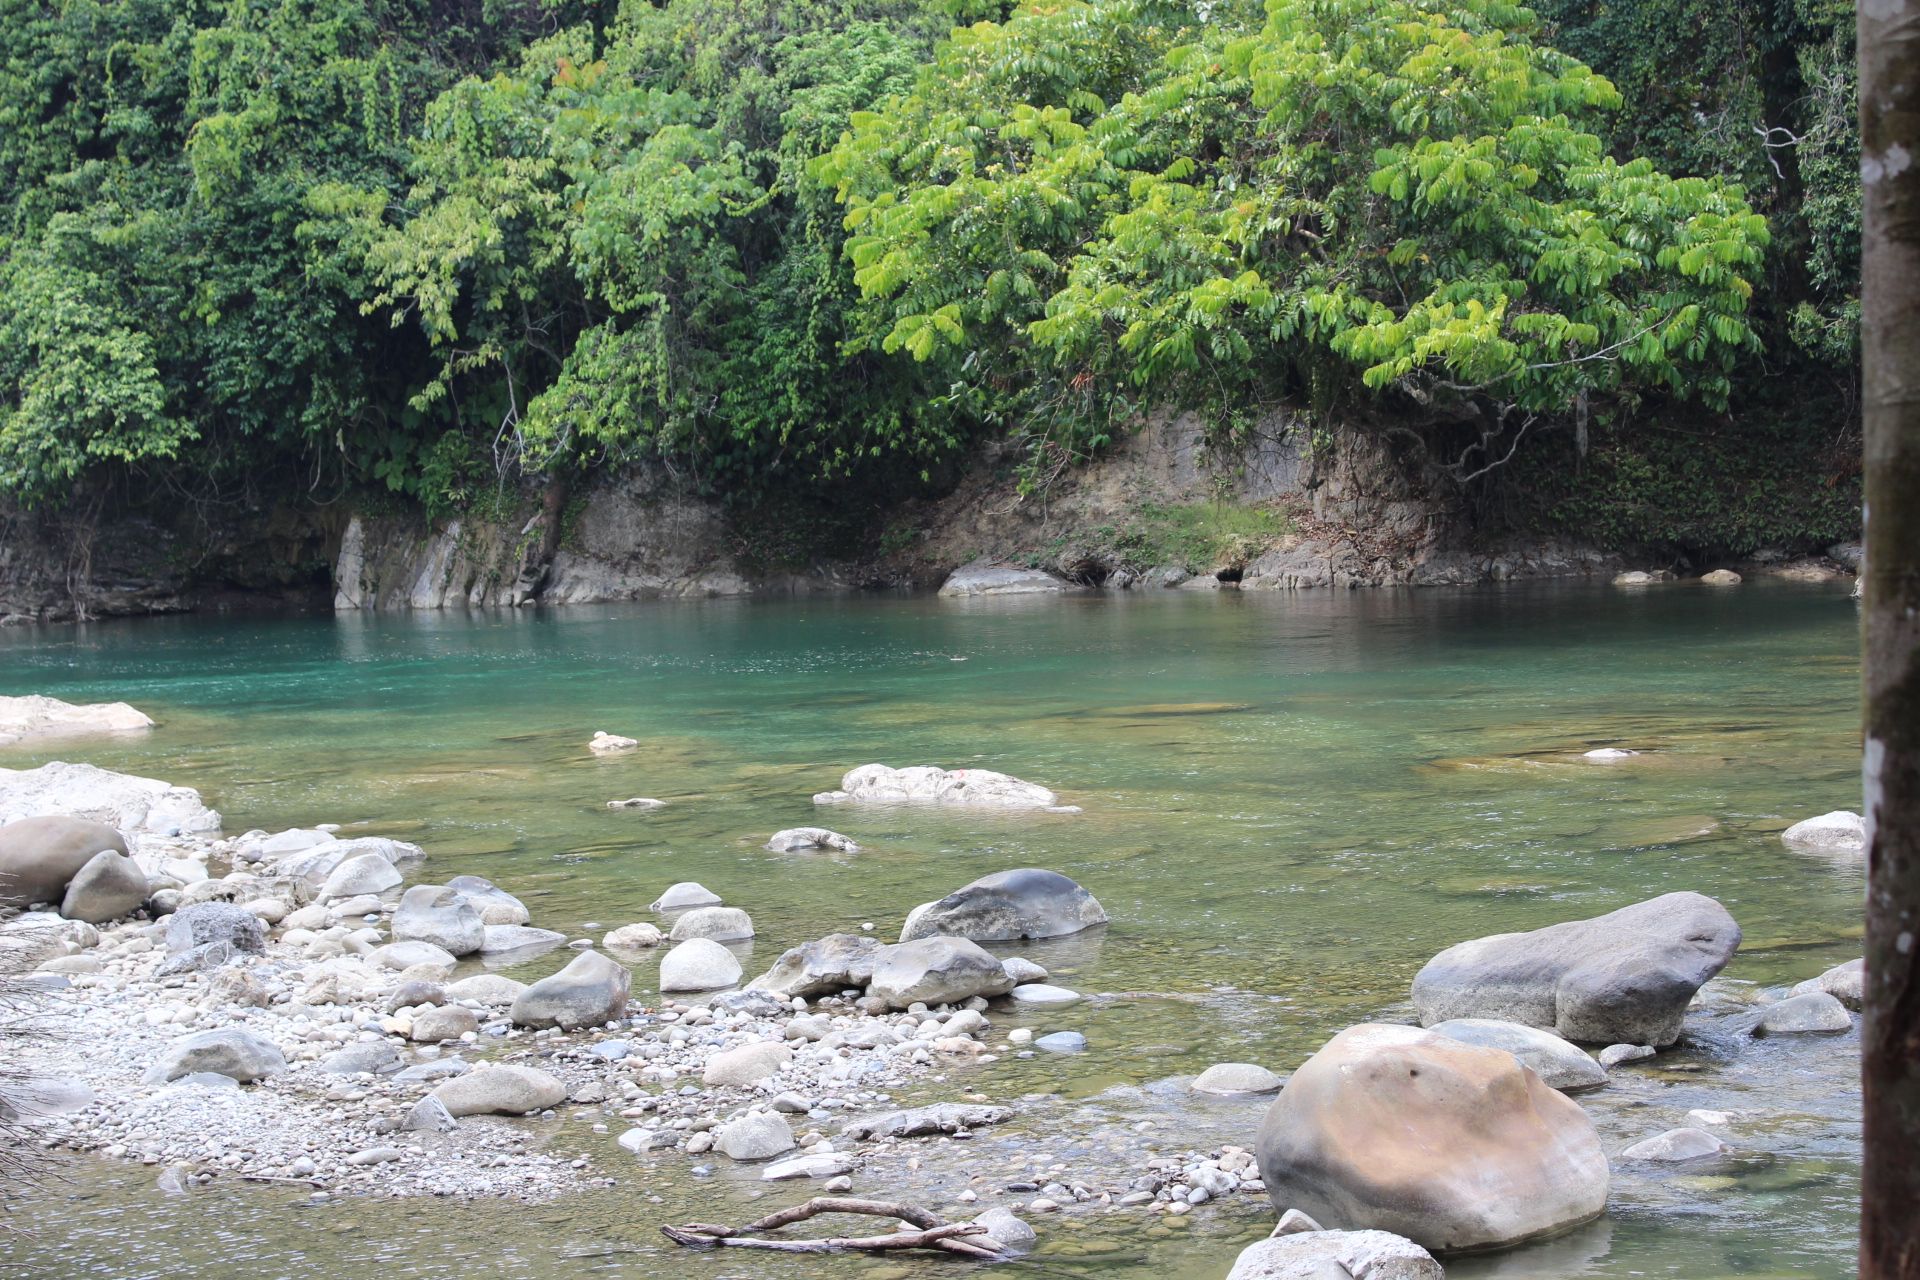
[(1846, 983), (1841, 831), (747, 1065), (937, 970), (805, 839), (1624, 976), (722, 924), (502, 1090), (685, 894), (228, 1051), (109, 886), (985, 578), (592, 989), (837, 962), (495, 905), (1453, 1146), (1814, 1012), (439, 915), (758, 1135), (1321, 1255), (39, 857), (699, 964), (1228, 1079), (1677, 1145), (1007, 906), (362, 873), (1561, 1065)]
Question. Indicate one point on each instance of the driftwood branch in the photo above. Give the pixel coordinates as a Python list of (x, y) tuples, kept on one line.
[(933, 1233)]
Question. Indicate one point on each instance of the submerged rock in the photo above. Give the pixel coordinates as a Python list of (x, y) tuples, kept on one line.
[(801, 839), (1028, 902), (39, 857), (1624, 976), (927, 784), (592, 989), (1319, 1255), (1450, 1145), (496, 939), (1561, 1065), (945, 1117), (1677, 1145), (826, 965), (1230, 1078), (939, 970)]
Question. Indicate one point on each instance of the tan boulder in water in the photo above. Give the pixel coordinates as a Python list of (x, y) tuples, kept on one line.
[(1455, 1147)]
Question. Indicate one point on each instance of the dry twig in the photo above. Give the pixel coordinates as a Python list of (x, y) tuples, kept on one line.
[(933, 1233)]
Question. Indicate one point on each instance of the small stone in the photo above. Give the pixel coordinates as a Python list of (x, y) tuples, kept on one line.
[(1062, 1042), (1615, 1054)]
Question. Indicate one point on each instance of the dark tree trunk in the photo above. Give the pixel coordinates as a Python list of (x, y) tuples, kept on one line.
[(1889, 51)]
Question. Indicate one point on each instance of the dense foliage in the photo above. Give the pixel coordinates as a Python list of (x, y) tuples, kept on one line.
[(798, 248)]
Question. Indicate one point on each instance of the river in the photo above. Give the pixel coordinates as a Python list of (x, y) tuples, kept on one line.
[(1290, 802)]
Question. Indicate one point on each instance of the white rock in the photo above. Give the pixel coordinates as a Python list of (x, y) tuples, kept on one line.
[(1229, 1078), (1838, 832), (758, 1135), (604, 742), (927, 784), (687, 893), (747, 1065), (633, 937), (700, 964), (1042, 995), (722, 924), (365, 873), (33, 717)]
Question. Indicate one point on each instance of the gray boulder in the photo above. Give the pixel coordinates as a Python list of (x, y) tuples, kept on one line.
[(209, 934), (495, 905), (429, 1115), (1008, 905), (1814, 1012), (1841, 831), (940, 970), (821, 967), (700, 964), (590, 990), (374, 1057), (434, 913), (40, 856), (722, 924), (1624, 976), (109, 886), (500, 1089), (1324, 1255), (1846, 983), (362, 873), (1561, 1065), (985, 578), (1453, 1146), (229, 1051), (758, 1135)]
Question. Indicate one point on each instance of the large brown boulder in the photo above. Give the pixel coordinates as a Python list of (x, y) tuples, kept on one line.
[(1622, 978), (1453, 1146), (39, 857)]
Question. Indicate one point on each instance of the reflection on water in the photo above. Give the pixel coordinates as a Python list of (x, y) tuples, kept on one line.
[(1291, 802)]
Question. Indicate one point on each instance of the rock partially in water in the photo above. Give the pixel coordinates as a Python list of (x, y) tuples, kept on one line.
[(109, 886), (1452, 1146), (1841, 831), (1028, 902), (121, 800), (439, 915), (495, 905), (1846, 983), (502, 1089), (603, 742), (591, 990), (1062, 1042), (937, 970), (1677, 1145), (634, 937), (637, 802), (699, 964), (1042, 995), (687, 893), (944, 1117), (758, 1135), (1321, 1255), (1615, 1054), (1721, 578), (1561, 1065), (1624, 976), (34, 716), (1814, 1012), (39, 857), (1007, 1230), (803, 839), (1605, 755), (722, 924), (496, 939), (834, 963), (228, 1051), (1236, 1078), (985, 578), (928, 784)]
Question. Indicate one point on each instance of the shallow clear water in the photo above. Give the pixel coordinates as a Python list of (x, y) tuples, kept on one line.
[(1290, 803)]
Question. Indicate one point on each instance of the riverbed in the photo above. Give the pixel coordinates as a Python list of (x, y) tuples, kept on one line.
[(1289, 803)]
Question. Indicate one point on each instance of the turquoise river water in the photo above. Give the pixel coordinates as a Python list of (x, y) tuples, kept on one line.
[(1291, 801)]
